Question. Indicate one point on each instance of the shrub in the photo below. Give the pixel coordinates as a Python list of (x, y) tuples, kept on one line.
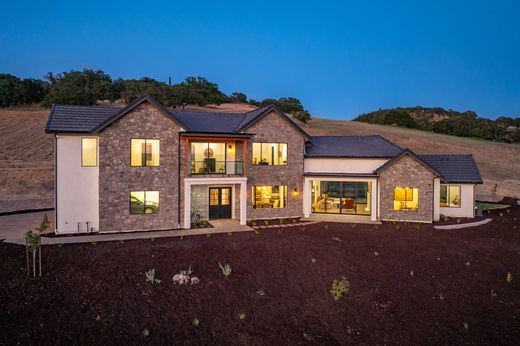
[(195, 322), (184, 277), (146, 332), (339, 288), (509, 278), (150, 277), (226, 269), (242, 316)]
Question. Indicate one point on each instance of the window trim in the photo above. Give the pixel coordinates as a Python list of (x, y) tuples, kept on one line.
[(407, 187), (144, 191), (258, 164), (447, 198), (286, 196), (145, 139), (95, 138)]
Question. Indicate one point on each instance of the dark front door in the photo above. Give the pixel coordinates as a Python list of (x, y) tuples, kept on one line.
[(219, 203)]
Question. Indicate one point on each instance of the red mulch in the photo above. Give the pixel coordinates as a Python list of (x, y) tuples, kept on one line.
[(98, 294)]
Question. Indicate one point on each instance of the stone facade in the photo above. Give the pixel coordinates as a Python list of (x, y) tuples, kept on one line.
[(199, 201), (406, 172), (117, 177), (274, 129)]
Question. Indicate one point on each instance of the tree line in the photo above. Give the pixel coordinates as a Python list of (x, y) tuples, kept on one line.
[(449, 122), (89, 86)]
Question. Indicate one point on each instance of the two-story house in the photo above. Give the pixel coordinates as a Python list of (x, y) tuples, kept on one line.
[(144, 167)]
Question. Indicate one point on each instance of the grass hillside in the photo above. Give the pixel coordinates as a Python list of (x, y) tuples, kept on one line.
[(26, 153)]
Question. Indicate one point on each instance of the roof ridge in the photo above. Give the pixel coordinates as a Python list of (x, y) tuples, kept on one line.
[(87, 106)]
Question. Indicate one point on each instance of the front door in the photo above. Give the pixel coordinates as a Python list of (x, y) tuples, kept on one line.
[(219, 203)]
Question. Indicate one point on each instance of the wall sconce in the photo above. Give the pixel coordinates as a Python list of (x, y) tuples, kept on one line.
[(295, 192), (230, 148)]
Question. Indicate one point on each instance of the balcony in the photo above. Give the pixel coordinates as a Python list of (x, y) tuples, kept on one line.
[(212, 167)]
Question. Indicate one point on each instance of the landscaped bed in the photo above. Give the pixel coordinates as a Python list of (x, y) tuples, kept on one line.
[(408, 284)]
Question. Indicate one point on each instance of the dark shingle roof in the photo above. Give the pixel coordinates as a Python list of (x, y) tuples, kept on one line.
[(78, 119), (352, 146), (209, 121), (454, 168)]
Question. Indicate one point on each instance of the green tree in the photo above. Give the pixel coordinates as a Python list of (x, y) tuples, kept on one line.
[(399, 117), (78, 88), (238, 97), (196, 91)]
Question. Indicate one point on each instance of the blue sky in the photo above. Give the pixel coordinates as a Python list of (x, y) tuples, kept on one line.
[(340, 58)]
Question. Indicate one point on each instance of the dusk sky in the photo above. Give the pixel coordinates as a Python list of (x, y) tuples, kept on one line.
[(339, 58)]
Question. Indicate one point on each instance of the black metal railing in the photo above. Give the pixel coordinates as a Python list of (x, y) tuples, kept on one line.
[(214, 167)]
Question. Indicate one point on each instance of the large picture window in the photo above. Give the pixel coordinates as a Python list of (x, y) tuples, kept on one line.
[(270, 196), (406, 198), (89, 152), (208, 158), (270, 154), (144, 152), (144, 202), (450, 196), (341, 197)]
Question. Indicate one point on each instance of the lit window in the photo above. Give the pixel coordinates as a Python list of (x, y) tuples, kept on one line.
[(144, 202), (89, 152), (270, 196), (144, 152), (270, 154), (406, 198), (450, 196)]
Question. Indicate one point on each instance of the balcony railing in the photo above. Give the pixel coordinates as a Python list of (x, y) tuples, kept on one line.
[(213, 167)]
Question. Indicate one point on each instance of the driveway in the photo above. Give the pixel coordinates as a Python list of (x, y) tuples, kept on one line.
[(15, 226)]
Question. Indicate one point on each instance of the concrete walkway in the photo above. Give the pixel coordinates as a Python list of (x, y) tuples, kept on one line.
[(219, 226), (464, 225)]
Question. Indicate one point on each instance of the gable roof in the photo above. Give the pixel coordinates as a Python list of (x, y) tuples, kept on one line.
[(134, 104), (407, 152), (352, 146), (92, 119), (78, 119), (455, 168)]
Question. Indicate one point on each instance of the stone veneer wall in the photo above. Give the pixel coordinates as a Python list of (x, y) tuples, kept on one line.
[(117, 178), (199, 201), (274, 129), (406, 172)]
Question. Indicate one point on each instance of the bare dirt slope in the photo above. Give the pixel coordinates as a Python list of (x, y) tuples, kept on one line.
[(26, 152)]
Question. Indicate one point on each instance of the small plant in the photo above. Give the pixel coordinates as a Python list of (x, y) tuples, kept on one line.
[(468, 263), (266, 222), (313, 260), (411, 273), (181, 237), (229, 234), (501, 214), (208, 235), (509, 277), (294, 220), (184, 277), (195, 322), (326, 226), (198, 220), (336, 238), (354, 225), (150, 277), (465, 326), (339, 288), (458, 220), (441, 296), (33, 244), (397, 226), (146, 332), (121, 242), (257, 231), (281, 221), (93, 243), (376, 227), (242, 316), (493, 294), (253, 222), (376, 253), (226, 269), (152, 238)]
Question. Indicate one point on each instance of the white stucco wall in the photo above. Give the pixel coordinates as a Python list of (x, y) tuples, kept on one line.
[(467, 202), (436, 198), (77, 187), (341, 165)]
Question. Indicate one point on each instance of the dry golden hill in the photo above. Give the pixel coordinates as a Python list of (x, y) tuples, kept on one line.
[(26, 152)]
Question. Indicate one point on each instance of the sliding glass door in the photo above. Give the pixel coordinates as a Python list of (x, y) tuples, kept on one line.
[(341, 197)]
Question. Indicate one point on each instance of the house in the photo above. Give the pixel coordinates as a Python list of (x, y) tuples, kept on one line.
[(144, 167)]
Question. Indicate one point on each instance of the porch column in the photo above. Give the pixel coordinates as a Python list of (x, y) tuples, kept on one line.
[(243, 203), (187, 205), (307, 198), (374, 203)]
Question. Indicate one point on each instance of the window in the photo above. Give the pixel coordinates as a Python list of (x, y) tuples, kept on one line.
[(89, 152), (270, 154), (144, 152), (144, 202), (450, 196), (207, 158), (341, 197), (270, 196), (406, 198)]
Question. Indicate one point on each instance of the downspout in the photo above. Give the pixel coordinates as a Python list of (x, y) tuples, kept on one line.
[(179, 182), (55, 184)]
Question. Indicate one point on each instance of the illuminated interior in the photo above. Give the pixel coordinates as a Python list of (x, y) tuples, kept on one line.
[(208, 157), (450, 196), (406, 198), (89, 152), (341, 197), (269, 154), (144, 152), (270, 196), (144, 202)]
